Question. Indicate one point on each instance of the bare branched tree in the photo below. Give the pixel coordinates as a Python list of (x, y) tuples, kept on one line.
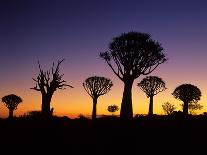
[(129, 56), (152, 85), (96, 86), (47, 82), (11, 102), (187, 93), (168, 108)]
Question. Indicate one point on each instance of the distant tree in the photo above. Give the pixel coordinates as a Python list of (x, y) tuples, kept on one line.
[(188, 94), (168, 108), (32, 115), (193, 107), (113, 108), (152, 85), (129, 56), (11, 102), (47, 82), (96, 86)]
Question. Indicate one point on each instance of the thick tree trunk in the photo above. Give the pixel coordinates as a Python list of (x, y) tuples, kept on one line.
[(126, 112), (46, 99), (94, 108), (11, 113), (185, 108), (150, 113)]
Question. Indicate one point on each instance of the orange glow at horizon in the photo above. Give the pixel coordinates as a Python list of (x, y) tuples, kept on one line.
[(72, 102)]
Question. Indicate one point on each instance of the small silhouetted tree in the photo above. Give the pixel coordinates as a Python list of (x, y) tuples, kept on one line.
[(187, 93), (168, 108), (47, 82), (11, 102), (152, 85), (129, 56), (192, 107), (112, 109), (96, 86)]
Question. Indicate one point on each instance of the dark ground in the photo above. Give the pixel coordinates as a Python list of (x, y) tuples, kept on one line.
[(143, 135)]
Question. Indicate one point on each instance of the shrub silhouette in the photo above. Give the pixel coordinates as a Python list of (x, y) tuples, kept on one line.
[(192, 107), (168, 108), (112, 108), (47, 82), (96, 86), (152, 85), (11, 102), (187, 93), (129, 56)]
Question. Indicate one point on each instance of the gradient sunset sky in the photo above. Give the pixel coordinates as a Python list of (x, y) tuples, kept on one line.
[(78, 30)]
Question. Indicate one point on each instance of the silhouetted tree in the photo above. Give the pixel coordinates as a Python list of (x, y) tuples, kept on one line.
[(192, 107), (188, 94), (11, 102), (47, 84), (96, 86), (113, 108), (152, 85), (129, 56), (168, 108)]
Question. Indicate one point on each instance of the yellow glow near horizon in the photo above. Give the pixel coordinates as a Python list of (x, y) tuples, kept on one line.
[(75, 101), (72, 102)]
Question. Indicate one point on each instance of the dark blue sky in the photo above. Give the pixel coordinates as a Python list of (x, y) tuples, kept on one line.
[(78, 30)]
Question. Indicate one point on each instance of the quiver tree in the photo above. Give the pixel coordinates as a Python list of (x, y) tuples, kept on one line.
[(96, 86), (47, 82), (152, 85), (113, 108), (129, 56), (187, 93), (11, 102)]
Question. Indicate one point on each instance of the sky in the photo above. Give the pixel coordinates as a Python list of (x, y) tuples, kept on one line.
[(49, 30)]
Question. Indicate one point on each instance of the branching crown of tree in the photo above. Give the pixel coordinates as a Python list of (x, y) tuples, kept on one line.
[(113, 108), (187, 93), (96, 86), (11, 101), (168, 108), (152, 85), (45, 82), (133, 54)]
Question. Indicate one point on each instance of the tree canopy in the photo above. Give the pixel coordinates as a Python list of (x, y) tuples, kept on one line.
[(133, 54), (130, 55), (96, 86), (113, 108), (11, 101), (152, 85), (187, 93)]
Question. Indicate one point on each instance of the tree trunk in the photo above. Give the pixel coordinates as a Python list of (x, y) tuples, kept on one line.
[(46, 99), (150, 113), (11, 113), (94, 108), (126, 112), (185, 108)]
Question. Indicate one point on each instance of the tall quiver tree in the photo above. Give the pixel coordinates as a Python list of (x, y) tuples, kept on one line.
[(129, 56), (187, 93), (47, 82), (152, 85), (96, 86), (11, 102)]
